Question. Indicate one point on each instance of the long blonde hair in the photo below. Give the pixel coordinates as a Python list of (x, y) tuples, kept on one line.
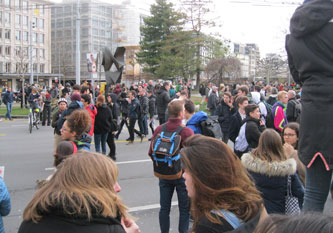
[(83, 183)]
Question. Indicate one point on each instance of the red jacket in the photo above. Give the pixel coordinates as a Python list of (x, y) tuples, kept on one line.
[(172, 125), (92, 111)]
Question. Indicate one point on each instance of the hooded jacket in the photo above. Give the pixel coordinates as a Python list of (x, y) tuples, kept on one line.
[(92, 112), (224, 112), (84, 142), (71, 108), (310, 55), (253, 131), (271, 180), (57, 221), (194, 122), (103, 120), (280, 118), (162, 101)]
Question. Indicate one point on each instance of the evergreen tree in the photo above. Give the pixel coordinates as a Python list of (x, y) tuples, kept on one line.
[(156, 32)]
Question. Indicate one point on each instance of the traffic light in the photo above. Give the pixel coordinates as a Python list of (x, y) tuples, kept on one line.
[(33, 25)]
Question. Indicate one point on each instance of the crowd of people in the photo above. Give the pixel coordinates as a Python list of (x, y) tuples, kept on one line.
[(270, 161)]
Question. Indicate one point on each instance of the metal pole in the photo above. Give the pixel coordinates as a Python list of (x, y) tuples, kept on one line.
[(78, 53), (31, 62)]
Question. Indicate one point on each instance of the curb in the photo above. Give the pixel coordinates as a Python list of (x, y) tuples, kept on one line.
[(16, 116)]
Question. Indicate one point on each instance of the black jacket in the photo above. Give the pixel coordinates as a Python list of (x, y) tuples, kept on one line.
[(151, 104), (123, 103), (162, 101), (57, 222), (213, 100), (103, 120), (134, 109), (253, 131), (310, 55), (144, 104), (291, 110), (235, 125), (271, 180), (224, 112)]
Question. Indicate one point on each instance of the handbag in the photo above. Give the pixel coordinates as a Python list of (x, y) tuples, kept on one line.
[(291, 205)]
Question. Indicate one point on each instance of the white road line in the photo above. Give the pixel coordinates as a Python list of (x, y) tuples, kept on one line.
[(118, 163), (134, 161), (148, 207)]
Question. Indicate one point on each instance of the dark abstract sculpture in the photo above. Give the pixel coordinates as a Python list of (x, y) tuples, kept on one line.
[(113, 66)]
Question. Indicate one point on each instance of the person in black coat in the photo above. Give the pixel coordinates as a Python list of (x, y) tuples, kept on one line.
[(103, 122), (254, 126), (151, 110), (73, 202), (111, 134), (133, 114), (224, 111), (309, 47), (269, 166), (237, 118), (213, 101), (162, 100), (124, 111)]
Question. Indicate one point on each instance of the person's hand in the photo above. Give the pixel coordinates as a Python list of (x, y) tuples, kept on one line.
[(261, 122), (289, 150), (130, 226), (127, 119)]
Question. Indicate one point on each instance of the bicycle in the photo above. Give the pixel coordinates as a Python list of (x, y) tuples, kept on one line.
[(33, 119)]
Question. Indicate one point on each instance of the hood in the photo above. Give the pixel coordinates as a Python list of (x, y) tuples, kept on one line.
[(162, 89), (84, 142), (255, 97), (197, 117), (248, 118), (281, 168), (310, 17), (75, 104)]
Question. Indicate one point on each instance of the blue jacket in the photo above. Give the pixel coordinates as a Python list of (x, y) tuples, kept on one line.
[(134, 109), (8, 97), (271, 180), (194, 121), (5, 204)]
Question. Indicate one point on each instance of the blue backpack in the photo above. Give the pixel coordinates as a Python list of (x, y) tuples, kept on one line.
[(166, 154)]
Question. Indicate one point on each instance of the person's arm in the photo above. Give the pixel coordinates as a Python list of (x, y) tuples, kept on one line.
[(290, 111), (166, 97), (5, 203), (219, 112), (233, 128), (55, 118), (297, 189)]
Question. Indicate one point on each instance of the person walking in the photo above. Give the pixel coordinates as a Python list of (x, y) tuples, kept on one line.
[(8, 100), (213, 101), (151, 110), (162, 100), (133, 114), (103, 123), (224, 112), (167, 186), (111, 135), (124, 111), (47, 108)]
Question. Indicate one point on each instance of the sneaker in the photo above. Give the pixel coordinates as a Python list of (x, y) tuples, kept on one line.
[(128, 139), (113, 157), (130, 142), (150, 139)]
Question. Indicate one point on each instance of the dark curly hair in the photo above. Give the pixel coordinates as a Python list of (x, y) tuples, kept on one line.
[(79, 122)]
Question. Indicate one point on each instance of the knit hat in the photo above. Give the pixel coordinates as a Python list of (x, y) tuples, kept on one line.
[(76, 97), (62, 100)]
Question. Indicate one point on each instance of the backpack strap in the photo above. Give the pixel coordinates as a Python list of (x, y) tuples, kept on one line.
[(230, 217)]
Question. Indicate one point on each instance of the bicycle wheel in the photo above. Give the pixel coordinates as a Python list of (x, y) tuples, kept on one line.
[(30, 122)]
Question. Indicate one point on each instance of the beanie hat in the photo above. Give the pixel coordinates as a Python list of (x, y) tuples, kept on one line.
[(76, 97), (62, 100)]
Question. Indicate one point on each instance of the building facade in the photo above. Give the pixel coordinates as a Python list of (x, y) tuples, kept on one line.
[(17, 38), (101, 25)]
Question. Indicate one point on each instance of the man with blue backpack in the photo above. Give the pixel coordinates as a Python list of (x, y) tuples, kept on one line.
[(164, 151)]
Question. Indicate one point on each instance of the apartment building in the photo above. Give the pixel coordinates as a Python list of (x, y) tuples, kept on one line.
[(15, 19), (101, 25)]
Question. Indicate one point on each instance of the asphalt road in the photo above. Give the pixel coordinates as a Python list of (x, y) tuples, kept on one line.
[(28, 157)]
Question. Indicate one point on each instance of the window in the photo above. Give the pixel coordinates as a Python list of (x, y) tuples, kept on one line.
[(68, 9), (18, 51), (1, 67), (18, 19), (34, 52), (7, 2), (0, 50), (7, 17), (0, 16), (7, 34), (41, 38), (95, 32), (7, 50), (34, 37), (84, 22), (35, 66), (42, 68), (25, 5), (101, 33), (25, 51), (25, 21), (102, 24), (18, 4), (95, 22), (59, 34), (41, 9), (108, 34), (42, 53), (8, 67), (85, 32), (0, 33), (52, 24), (41, 23), (68, 22), (68, 33), (60, 23), (25, 36), (18, 35), (34, 22)]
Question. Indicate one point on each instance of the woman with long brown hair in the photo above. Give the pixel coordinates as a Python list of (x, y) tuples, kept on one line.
[(80, 197), (223, 197), (270, 169)]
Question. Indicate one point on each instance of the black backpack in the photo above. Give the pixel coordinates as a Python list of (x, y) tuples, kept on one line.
[(297, 111), (270, 120), (166, 156), (211, 127)]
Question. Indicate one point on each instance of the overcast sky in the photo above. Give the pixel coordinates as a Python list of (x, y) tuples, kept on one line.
[(263, 22)]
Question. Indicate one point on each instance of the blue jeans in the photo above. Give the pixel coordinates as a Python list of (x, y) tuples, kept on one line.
[(9, 110), (100, 139), (317, 185), (143, 125), (167, 188)]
